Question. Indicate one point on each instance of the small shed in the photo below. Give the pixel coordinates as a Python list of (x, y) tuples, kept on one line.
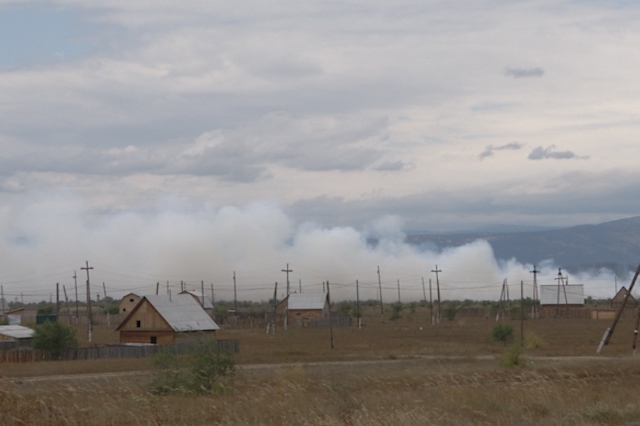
[(128, 302), (304, 309), (165, 319), (13, 336)]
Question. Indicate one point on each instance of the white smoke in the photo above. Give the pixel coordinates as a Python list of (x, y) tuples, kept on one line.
[(49, 238)]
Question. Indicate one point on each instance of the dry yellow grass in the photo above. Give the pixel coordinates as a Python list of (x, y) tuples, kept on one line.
[(391, 372)]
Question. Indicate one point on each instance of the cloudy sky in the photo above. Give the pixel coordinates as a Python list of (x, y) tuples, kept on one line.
[(166, 139)]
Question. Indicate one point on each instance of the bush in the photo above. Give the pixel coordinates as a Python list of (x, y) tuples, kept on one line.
[(513, 357), (54, 338), (396, 311), (533, 341), (204, 370), (502, 333)]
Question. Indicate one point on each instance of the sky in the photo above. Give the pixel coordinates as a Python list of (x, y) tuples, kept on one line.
[(188, 140)]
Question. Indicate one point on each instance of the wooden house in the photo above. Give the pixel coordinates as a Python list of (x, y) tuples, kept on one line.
[(13, 336), (560, 300), (304, 309), (22, 316), (617, 300), (128, 302), (165, 319)]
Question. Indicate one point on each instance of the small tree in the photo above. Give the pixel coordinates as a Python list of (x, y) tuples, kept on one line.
[(54, 338), (502, 333)]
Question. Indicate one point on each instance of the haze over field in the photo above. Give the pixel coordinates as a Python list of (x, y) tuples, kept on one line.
[(185, 140)]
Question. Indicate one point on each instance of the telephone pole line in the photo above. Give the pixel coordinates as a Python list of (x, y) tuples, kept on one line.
[(90, 325), (287, 271)]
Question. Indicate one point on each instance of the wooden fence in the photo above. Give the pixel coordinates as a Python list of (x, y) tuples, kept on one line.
[(113, 352)]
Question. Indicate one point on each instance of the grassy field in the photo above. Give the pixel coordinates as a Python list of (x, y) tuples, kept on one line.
[(403, 372)]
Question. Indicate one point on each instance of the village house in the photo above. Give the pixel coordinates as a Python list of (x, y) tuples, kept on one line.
[(304, 309), (164, 320), (22, 316), (128, 302), (14, 336), (562, 300)]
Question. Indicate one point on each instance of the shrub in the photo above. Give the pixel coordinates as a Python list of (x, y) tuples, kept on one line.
[(396, 310), (502, 333), (513, 357), (54, 338), (533, 341), (204, 370)]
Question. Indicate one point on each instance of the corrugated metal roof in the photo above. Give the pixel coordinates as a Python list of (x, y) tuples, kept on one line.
[(16, 331), (550, 294), (182, 313), (207, 300), (307, 300)]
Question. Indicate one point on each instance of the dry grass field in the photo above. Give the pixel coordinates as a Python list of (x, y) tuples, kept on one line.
[(403, 372)]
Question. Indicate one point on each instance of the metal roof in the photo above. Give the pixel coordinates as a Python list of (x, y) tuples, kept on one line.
[(307, 300), (182, 312), (207, 300), (16, 331), (554, 294)]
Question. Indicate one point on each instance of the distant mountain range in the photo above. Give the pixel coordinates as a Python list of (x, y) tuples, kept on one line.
[(614, 245)]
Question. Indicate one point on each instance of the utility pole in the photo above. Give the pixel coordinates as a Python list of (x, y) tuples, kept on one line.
[(157, 288), (66, 303), (235, 298), (431, 302), (287, 271), (202, 291), (535, 313), (609, 331), (275, 307), (300, 284), (358, 305), (439, 314), (75, 280), (399, 292), (104, 287), (380, 287), (3, 302), (330, 320), (424, 292), (57, 300), (522, 313), (90, 325), (213, 299)]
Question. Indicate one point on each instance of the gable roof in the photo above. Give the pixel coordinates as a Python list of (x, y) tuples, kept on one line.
[(307, 300), (207, 300), (182, 312), (16, 331)]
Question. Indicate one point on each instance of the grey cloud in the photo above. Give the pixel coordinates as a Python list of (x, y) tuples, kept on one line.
[(488, 152), (541, 153), (392, 166), (523, 72)]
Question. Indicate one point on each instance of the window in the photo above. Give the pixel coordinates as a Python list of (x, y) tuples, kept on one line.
[(131, 300), (154, 340), (138, 323)]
